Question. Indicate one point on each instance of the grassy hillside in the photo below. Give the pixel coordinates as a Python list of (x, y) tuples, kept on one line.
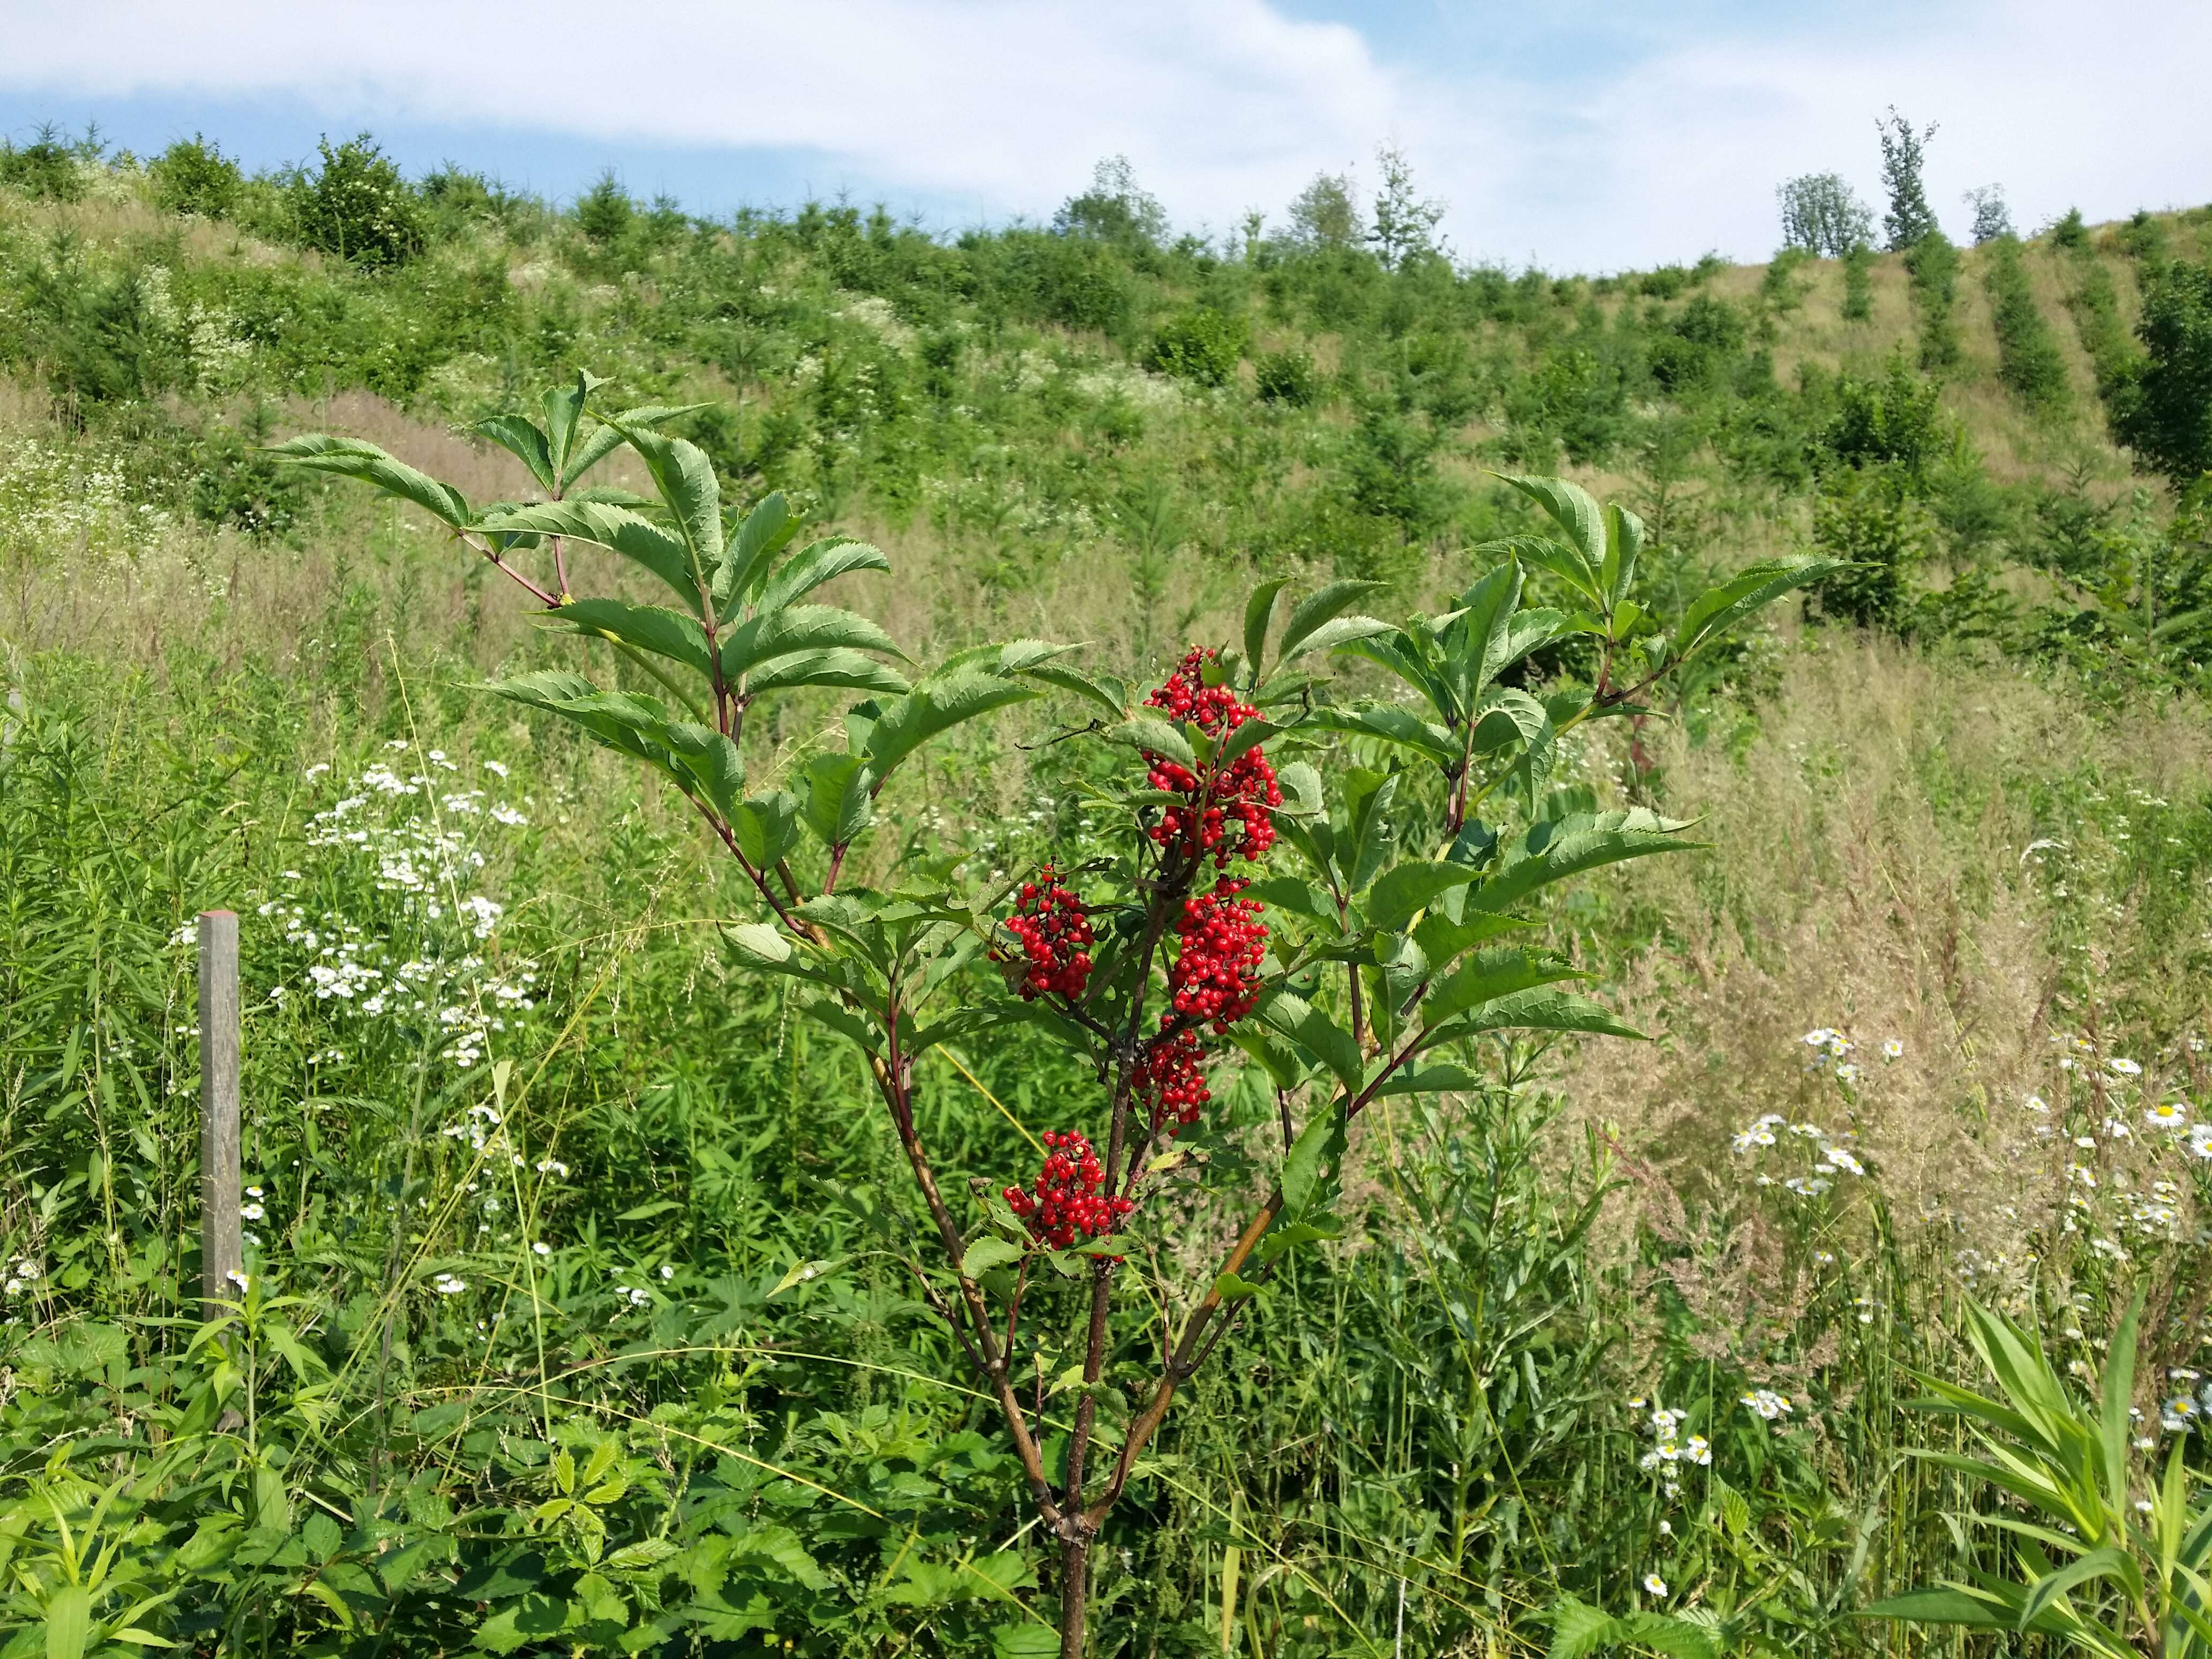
[(992, 405), (1963, 805)]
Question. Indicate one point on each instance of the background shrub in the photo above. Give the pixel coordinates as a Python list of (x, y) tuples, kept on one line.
[(2028, 361), (357, 206), (1200, 345), (1933, 263), (1287, 377), (193, 176)]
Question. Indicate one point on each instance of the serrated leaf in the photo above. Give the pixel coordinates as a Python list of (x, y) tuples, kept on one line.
[(1229, 1287), (1553, 850), (686, 480), (564, 410), (838, 804), (1539, 1009), (618, 529), (1301, 787), (603, 439), (1491, 975), (1430, 1080), (936, 705), (758, 943), (1024, 1641), (651, 627), (1259, 611), (766, 828), (1474, 639), (1309, 1170), (1442, 940), (1310, 614), (1404, 891), (1289, 893), (1677, 1638), (1579, 1630), (1576, 512), (1505, 716), (803, 1273), (1316, 1034), (1245, 739), (846, 670), (773, 634), (1341, 632), (988, 1252), (1059, 675), (1624, 545), (1285, 1236), (350, 458), (1391, 724), (521, 438), (819, 563), (1157, 737), (1285, 1067), (1719, 609)]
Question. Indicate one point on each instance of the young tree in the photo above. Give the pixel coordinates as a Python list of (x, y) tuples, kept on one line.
[(1114, 208), (2028, 359), (1992, 218), (1405, 222), (1326, 214), (1822, 215), (1858, 284), (604, 211), (1903, 154), (1346, 933), (2161, 402)]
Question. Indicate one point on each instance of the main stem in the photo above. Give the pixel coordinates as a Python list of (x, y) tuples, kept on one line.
[(1078, 1528), (1074, 1593)]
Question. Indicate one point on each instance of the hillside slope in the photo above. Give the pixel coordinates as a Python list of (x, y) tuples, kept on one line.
[(1088, 428)]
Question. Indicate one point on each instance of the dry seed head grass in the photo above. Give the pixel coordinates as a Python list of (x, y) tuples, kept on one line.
[(1871, 879)]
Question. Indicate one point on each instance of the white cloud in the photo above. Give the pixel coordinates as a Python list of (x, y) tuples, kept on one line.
[(2061, 103), (1227, 104)]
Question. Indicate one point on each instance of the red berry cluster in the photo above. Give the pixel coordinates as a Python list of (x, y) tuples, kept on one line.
[(1213, 982), (1067, 1199), (1170, 1074), (1054, 929), (1245, 792), (1215, 978)]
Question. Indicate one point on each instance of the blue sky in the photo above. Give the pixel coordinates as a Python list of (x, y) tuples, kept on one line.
[(1577, 136)]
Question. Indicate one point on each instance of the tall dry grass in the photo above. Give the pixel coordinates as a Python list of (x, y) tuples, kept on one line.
[(1913, 848)]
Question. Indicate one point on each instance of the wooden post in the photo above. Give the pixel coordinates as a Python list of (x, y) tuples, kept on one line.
[(222, 1251)]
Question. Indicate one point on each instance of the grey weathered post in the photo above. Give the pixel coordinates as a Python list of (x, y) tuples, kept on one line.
[(221, 1249)]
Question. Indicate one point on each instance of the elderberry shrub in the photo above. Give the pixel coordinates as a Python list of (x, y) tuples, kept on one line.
[(1387, 927)]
